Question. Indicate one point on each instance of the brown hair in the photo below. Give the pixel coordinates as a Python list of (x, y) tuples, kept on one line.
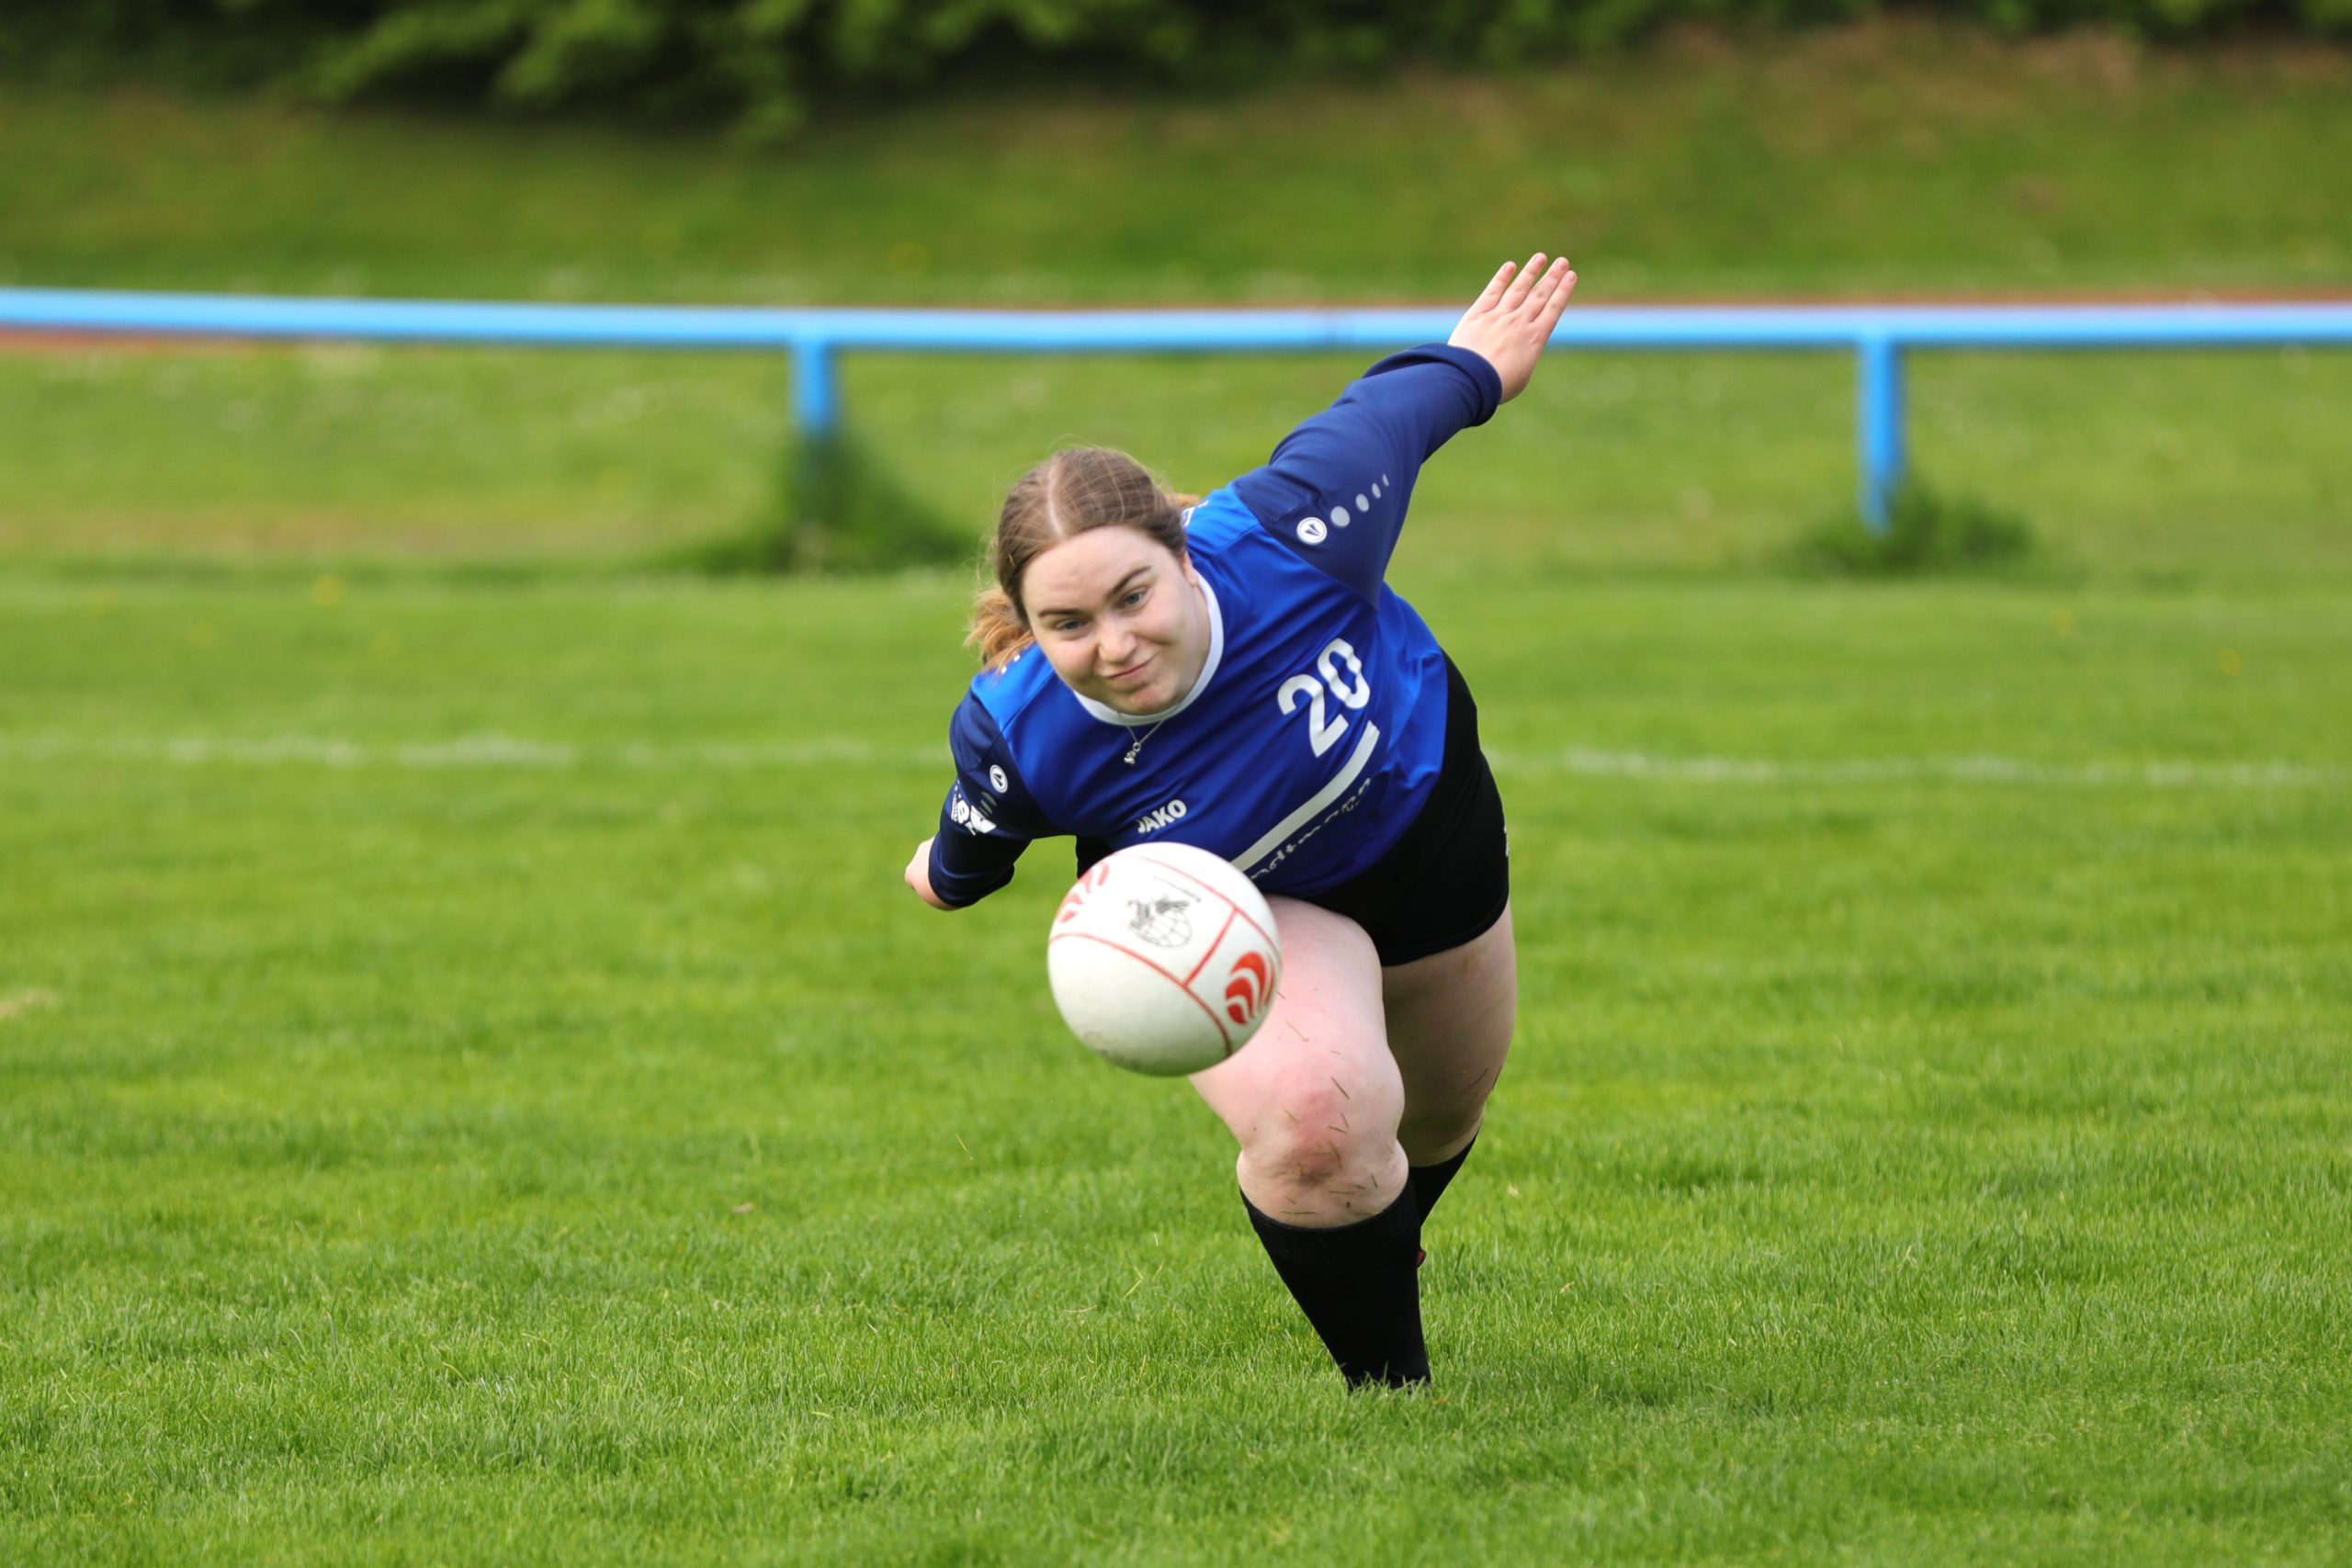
[(1070, 492)]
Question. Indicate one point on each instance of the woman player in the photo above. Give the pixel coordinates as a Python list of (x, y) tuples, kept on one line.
[(1236, 675)]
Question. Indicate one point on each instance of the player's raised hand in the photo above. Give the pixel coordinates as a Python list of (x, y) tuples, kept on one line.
[(1511, 323)]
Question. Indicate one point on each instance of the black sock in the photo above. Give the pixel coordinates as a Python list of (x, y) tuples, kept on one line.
[(1357, 1286), (1430, 1181)]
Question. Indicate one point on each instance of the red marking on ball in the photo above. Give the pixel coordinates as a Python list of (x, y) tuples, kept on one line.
[(1096, 875), (1223, 1034), (1246, 989), (1210, 950)]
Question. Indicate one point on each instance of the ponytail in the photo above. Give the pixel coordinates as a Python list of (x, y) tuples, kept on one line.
[(997, 630)]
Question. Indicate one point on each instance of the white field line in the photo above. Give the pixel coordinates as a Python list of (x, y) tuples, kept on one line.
[(523, 754), (1976, 770), (464, 752)]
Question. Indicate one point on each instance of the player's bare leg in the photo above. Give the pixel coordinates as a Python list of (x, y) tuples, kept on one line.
[(1314, 1098), (1313, 1101), (1450, 1017)]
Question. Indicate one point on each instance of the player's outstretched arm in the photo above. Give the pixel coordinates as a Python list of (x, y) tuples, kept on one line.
[(1509, 323), (919, 877)]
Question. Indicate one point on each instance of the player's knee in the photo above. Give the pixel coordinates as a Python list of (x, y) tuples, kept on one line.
[(1318, 1132)]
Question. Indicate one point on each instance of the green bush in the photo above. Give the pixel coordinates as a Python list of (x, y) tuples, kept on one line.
[(837, 509), (1926, 534), (763, 62)]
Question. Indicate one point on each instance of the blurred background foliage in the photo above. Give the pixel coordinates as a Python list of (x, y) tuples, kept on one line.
[(767, 66), (1899, 156)]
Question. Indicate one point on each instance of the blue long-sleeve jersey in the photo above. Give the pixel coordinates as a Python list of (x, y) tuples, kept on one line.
[(1317, 722)]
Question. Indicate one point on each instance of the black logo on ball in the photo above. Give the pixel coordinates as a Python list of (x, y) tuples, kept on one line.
[(1161, 921)]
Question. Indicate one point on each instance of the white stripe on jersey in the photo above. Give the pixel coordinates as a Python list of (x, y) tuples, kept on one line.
[(1315, 803)]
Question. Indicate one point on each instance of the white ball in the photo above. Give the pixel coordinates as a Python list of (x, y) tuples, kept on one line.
[(1164, 959)]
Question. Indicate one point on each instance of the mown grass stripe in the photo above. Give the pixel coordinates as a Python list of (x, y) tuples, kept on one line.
[(1982, 770), (523, 753)]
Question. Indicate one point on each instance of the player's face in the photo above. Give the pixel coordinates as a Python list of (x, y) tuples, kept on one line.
[(1119, 618)]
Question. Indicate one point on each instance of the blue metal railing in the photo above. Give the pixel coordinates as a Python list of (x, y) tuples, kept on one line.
[(1878, 336)]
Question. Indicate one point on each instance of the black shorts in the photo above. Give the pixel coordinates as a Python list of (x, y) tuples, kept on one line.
[(1448, 879)]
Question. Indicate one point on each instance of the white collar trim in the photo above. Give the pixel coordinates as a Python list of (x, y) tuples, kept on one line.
[(1109, 714)]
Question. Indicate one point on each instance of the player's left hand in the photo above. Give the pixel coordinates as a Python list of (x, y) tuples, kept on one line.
[(1511, 321)]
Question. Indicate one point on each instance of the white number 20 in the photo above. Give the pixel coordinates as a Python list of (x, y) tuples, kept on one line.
[(1353, 691)]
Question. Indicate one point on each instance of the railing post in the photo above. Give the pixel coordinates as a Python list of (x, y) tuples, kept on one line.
[(1879, 410), (816, 387)]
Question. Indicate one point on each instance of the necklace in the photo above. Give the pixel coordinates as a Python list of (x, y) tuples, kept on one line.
[(1133, 750)]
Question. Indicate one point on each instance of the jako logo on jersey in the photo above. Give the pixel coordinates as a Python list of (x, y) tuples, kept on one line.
[(967, 815), (1153, 821), (1315, 530), (997, 780), (1245, 987)]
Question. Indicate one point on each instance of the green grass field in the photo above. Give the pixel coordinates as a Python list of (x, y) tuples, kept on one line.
[(475, 1091), (472, 1088)]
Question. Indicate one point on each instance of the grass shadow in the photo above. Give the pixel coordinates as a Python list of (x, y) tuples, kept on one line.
[(837, 508), (1928, 534)]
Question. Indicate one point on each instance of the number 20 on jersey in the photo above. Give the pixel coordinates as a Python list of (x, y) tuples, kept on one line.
[(1329, 684)]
